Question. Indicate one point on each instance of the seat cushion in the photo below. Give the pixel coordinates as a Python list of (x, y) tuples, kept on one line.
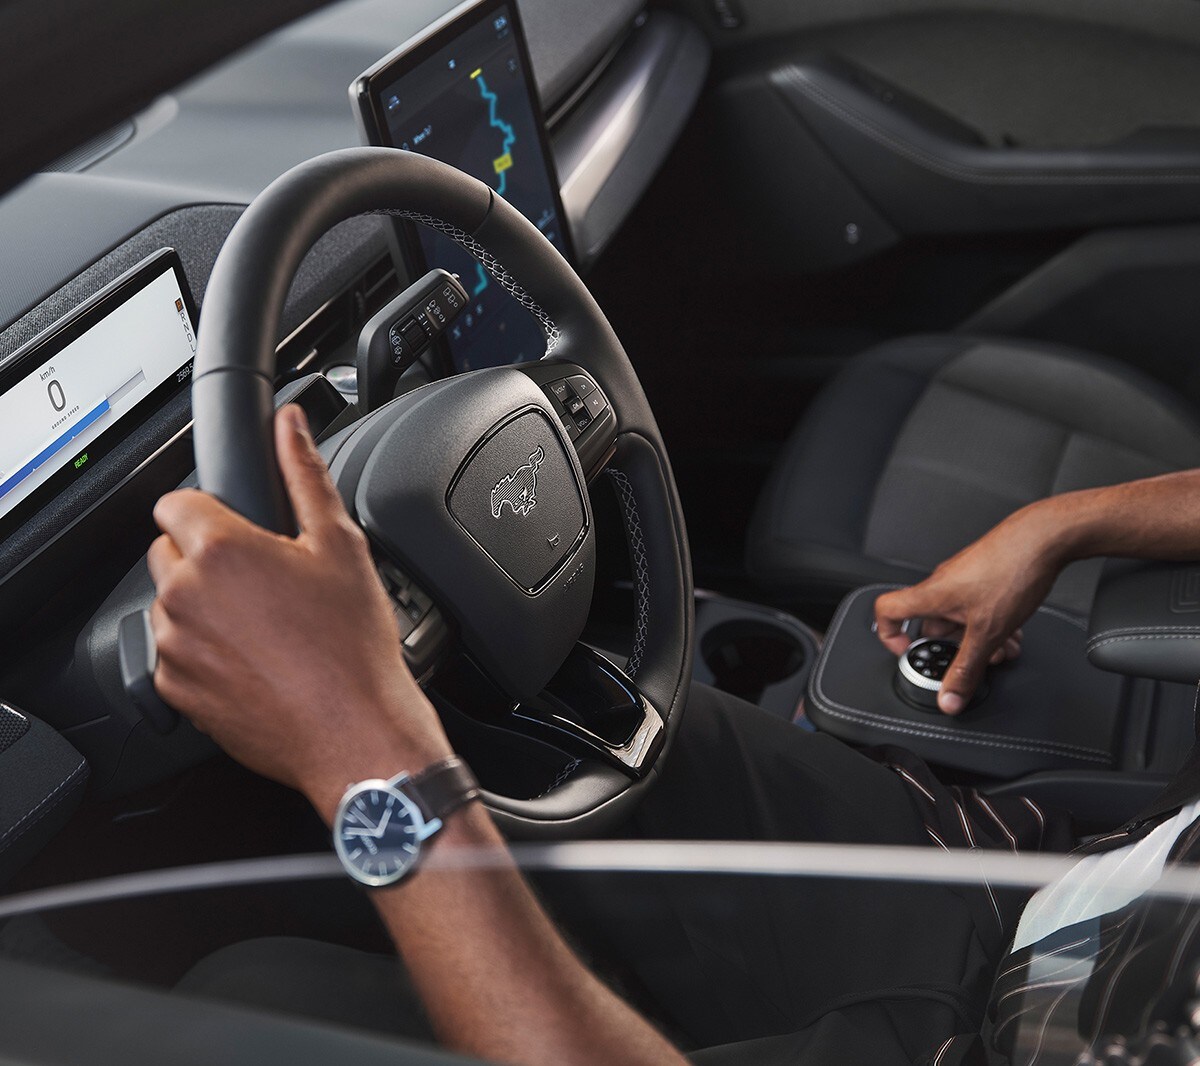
[(319, 981), (921, 445)]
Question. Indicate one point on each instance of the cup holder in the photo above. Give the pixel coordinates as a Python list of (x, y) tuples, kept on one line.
[(762, 658)]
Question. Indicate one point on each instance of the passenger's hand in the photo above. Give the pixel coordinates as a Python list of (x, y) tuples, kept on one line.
[(980, 597), (286, 651)]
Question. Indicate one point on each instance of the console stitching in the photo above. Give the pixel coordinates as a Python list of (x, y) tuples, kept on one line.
[(641, 566), (491, 264), (961, 171), (1120, 631), (12, 829), (1096, 645), (932, 732)]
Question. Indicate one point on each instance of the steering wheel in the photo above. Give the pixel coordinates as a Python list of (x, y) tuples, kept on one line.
[(472, 488)]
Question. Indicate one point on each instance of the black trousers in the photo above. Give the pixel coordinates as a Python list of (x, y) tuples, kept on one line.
[(757, 970), (767, 969)]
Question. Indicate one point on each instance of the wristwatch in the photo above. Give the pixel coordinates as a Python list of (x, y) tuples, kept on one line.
[(380, 825)]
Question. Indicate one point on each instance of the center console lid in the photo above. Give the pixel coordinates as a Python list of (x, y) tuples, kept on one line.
[(1047, 710)]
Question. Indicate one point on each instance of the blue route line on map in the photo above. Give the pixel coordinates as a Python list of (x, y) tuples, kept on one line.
[(483, 281), (510, 137)]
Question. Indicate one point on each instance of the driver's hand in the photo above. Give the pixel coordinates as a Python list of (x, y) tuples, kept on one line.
[(980, 597), (285, 650)]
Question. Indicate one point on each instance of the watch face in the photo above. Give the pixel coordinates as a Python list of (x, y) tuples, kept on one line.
[(378, 833)]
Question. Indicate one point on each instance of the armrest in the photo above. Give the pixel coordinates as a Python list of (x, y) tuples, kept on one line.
[(41, 782), (1145, 621)]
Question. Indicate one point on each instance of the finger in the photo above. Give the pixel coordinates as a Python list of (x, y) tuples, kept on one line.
[(162, 557), (315, 500), (192, 519), (937, 628), (1010, 649), (965, 673), (892, 610)]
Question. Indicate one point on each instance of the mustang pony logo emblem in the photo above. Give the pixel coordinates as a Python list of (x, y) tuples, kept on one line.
[(518, 490)]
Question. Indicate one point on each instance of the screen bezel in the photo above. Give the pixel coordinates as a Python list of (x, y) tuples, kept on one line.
[(366, 92), (70, 328)]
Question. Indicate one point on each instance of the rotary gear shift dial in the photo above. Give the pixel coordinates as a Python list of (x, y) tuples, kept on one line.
[(922, 669)]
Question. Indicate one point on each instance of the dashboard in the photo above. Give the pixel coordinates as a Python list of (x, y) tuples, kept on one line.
[(69, 395), (105, 259)]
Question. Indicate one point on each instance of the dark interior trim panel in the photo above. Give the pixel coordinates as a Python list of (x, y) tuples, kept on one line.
[(610, 147), (928, 173)]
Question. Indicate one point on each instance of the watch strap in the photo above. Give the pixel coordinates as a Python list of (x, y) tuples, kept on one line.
[(442, 787)]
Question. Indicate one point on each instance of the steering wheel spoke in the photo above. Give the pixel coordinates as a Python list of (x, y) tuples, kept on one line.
[(591, 709), (425, 636), (582, 406)]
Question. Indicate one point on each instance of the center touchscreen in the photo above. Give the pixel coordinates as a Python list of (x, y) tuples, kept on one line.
[(62, 398), (464, 96)]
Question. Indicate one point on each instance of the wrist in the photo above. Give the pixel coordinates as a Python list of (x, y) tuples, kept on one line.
[(382, 755), (1053, 531), (1081, 521)]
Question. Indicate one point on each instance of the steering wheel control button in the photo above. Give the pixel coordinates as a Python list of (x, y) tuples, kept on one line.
[(922, 669), (578, 401), (596, 403), (581, 384), (517, 497)]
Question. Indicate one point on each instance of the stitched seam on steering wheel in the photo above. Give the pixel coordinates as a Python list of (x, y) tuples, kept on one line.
[(492, 265), (641, 566), (825, 704), (567, 770)]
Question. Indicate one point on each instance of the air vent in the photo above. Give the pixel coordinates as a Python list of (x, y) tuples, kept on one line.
[(91, 152)]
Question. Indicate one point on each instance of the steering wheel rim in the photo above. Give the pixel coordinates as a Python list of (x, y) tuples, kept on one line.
[(233, 407)]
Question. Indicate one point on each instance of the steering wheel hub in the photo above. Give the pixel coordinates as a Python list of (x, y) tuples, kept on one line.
[(473, 489), (518, 497)]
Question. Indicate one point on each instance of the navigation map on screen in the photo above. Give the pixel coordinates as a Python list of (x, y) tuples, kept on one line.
[(469, 104)]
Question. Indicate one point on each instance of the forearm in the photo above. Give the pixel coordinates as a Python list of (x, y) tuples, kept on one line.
[(496, 978), (495, 975), (1155, 518)]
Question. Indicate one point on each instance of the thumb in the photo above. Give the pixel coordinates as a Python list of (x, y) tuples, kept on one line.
[(315, 499), (966, 672)]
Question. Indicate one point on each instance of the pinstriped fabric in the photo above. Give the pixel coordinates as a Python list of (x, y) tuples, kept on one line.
[(1117, 987)]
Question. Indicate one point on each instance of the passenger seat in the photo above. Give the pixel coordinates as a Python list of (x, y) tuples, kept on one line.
[(921, 445)]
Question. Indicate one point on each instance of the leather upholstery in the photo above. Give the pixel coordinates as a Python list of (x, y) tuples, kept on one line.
[(1146, 621), (921, 445)]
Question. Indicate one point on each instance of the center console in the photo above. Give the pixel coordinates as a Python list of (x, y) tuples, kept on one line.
[(1048, 712)]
